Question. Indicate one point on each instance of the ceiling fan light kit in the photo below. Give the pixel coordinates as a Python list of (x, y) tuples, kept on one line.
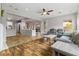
[(44, 12)]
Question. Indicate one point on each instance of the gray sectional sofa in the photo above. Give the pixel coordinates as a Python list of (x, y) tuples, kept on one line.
[(67, 45)]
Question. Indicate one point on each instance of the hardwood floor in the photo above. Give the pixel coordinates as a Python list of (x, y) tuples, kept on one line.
[(20, 39), (37, 47)]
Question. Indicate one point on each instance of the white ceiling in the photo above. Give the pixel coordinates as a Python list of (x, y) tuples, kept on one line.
[(31, 10)]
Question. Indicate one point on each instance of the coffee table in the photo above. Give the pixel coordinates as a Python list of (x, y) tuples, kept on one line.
[(51, 37)]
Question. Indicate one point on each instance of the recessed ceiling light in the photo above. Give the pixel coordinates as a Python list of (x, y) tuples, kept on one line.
[(26, 9), (10, 5), (16, 9), (59, 12)]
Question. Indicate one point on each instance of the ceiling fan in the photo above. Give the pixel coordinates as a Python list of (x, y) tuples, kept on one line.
[(44, 12)]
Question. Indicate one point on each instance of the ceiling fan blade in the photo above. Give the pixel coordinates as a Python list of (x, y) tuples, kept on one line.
[(44, 10), (41, 13), (50, 10)]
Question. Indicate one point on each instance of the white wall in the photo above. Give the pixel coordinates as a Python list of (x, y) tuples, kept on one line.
[(42, 27), (57, 22), (0, 12), (78, 20), (3, 22)]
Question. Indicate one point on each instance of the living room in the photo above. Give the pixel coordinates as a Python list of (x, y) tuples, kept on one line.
[(39, 27)]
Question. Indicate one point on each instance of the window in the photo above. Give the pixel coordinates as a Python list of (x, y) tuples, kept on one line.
[(9, 25), (67, 25)]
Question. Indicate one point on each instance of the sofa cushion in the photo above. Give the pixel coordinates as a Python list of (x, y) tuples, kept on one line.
[(76, 38), (65, 39), (67, 34)]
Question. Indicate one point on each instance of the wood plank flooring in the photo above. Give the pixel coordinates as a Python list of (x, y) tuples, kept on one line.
[(20, 39), (36, 47)]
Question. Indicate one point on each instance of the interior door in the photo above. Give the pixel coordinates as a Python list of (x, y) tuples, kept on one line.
[(18, 27)]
